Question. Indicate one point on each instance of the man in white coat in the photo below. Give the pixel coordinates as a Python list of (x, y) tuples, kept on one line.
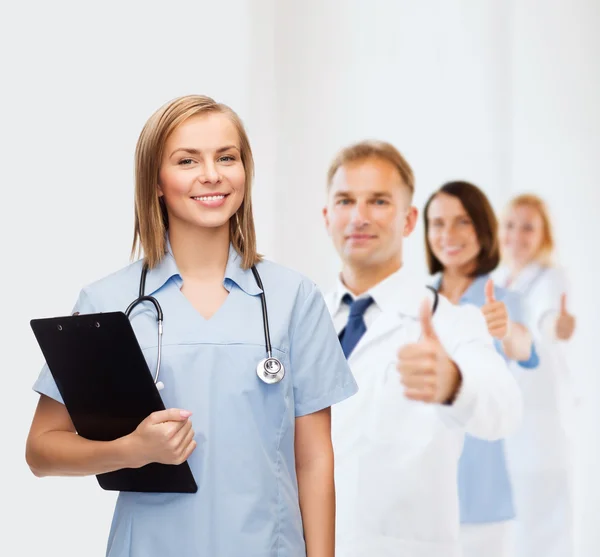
[(423, 380)]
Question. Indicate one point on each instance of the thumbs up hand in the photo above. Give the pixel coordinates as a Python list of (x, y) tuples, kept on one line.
[(495, 313), (426, 371), (565, 322)]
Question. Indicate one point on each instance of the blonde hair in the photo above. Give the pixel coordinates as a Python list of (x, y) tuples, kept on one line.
[(546, 250), (373, 149), (151, 219)]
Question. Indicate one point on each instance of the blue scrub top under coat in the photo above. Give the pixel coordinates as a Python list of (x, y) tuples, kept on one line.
[(244, 462), (484, 488)]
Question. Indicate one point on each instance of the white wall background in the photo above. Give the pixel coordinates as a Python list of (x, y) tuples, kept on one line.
[(500, 93)]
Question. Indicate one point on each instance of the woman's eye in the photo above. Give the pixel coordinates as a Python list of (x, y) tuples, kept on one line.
[(227, 158), (185, 162)]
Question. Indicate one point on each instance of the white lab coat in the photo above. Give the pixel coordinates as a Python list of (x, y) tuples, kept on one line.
[(396, 460), (539, 453)]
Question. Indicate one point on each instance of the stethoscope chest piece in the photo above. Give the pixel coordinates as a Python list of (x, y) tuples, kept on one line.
[(270, 370)]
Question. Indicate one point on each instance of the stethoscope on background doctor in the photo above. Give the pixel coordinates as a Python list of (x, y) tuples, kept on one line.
[(270, 369)]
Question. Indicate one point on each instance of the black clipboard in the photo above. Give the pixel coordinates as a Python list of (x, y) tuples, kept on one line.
[(108, 390)]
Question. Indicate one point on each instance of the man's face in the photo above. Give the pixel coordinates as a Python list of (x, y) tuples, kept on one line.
[(369, 213)]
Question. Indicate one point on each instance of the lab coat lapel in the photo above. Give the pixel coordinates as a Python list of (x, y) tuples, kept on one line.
[(527, 277), (400, 309), (369, 362), (385, 324)]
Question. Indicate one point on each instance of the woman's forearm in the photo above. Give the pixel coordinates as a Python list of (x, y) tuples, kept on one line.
[(317, 505), (64, 453), (517, 345)]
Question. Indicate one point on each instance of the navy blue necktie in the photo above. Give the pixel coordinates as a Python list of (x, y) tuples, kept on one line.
[(356, 327)]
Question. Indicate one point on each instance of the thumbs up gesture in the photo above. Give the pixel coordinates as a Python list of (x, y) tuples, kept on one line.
[(426, 371), (495, 313), (565, 322)]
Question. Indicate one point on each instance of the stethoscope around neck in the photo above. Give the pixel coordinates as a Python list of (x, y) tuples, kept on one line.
[(270, 369)]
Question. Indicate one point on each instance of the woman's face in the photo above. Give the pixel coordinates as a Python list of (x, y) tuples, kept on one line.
[(451, 234), (521, 234), (201, 176)]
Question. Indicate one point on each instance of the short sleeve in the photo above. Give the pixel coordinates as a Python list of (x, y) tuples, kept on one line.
[(320, 373), (45, 384)]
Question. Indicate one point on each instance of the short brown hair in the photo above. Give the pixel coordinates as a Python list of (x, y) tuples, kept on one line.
[(484, 220), (151, 219), (373, 149), (544, 255)]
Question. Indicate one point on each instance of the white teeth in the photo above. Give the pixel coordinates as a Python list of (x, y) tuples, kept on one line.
[(209, 197)]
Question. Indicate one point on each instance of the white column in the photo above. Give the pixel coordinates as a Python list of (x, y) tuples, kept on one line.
[(260, 121), (556, 123), (431, 77)]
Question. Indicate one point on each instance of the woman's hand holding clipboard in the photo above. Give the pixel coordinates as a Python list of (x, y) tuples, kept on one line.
[(165, 437)]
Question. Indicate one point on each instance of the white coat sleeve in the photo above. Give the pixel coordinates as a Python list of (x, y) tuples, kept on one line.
[(551, 287), (489, 403)]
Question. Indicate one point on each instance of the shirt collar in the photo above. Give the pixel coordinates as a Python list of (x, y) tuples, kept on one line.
[(159, 275), (399, 293), (527, 276), (243, 278), (167, 268), (473, 294), (340, 292), (476, 291)]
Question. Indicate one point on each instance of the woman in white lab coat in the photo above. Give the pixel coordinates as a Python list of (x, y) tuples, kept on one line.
[(461, 242), (539, 454)]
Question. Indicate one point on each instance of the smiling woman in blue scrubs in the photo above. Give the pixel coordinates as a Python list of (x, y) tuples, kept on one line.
[(260, 453), (461, 237)]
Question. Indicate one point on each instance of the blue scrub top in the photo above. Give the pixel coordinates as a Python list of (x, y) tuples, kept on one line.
[(244, 462), (484, 488)]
